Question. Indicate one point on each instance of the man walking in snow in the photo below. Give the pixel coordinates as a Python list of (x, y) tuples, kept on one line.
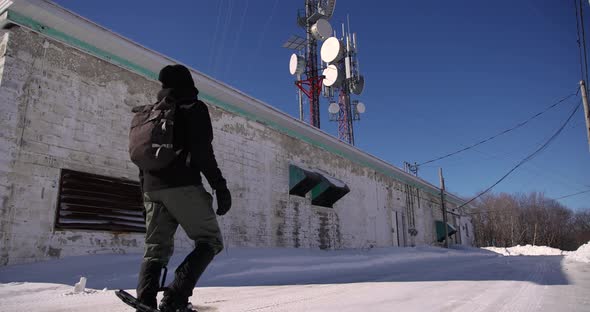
[(175, 195)]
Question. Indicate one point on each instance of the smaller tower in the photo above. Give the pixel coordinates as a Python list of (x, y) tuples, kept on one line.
[(342, 77)]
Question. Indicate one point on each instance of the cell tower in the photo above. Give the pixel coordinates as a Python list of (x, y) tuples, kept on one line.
[(304, 65), (340, 72), (342, 76)]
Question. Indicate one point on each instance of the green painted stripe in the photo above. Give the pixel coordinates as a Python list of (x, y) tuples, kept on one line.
[(109, 57)]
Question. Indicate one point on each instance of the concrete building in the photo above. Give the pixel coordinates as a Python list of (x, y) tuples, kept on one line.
[(67, 186)]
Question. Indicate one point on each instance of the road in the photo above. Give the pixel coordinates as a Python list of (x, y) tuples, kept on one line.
[(459, 281)]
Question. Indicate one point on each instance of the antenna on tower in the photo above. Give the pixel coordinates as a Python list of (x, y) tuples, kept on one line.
[(343, 74), (339, 77), (304, 65)]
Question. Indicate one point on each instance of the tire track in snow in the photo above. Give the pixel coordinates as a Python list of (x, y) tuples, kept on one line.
[(526, 298), (505, 295), (288, 305)]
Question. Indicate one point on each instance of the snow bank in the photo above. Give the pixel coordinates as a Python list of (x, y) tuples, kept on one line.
[(244, 266), (528, 250), (581, 255)]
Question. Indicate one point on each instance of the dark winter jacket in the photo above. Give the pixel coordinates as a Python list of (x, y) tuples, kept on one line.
[(193, 133)]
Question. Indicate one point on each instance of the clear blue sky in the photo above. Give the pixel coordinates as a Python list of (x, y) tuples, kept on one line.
[(440, 75)]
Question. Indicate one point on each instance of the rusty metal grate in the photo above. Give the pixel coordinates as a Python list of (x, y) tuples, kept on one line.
[(94, 202)]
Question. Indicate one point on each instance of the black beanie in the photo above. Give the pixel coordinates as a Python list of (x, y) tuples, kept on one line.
[(176, 77)]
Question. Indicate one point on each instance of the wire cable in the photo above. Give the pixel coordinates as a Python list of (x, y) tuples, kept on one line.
[(225, 31), (529, 157), (574, 194), (501, 133), (538, 171), (237, 37), (502, 210), (213, 46)]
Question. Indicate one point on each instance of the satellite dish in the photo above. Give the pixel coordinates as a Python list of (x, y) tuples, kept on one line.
[(360, 107), (332, 50), (321, 30), (332, 76), (357, 85), (334, 108), (296, 64)]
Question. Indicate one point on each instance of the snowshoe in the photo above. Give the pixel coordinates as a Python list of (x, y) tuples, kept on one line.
[(133, 302)]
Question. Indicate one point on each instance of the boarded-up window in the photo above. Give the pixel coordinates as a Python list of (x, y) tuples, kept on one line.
[(94, 202)]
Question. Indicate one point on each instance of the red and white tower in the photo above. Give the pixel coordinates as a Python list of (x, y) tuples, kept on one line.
[(339, 77), (342, 77)]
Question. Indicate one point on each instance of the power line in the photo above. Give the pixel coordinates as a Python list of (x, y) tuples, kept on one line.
[(502, 210), (213, 47), (540, 172), (228, 65), (532, 168), (529, 157), (501, 133), (570, 195), (226, 27)]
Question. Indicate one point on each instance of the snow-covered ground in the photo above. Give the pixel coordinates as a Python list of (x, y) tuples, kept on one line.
[(388, 279), (582, 254), (528, 250)]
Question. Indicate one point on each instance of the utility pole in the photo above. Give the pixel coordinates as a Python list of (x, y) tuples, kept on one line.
[(442, 204), (586, 109)]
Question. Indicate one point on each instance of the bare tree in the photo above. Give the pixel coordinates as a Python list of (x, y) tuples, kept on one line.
[(506, 220)]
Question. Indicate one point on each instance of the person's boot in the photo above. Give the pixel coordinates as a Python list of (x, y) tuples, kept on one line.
[(185, 278), (149, 283), (172, 302)]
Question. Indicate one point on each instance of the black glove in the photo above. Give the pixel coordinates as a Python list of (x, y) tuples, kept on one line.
[(223, 201)]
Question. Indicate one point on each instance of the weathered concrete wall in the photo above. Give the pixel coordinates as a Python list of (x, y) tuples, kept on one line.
[(256, 158), (63, 108), (60, 108)]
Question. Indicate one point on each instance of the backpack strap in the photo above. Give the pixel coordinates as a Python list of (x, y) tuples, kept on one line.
[(187, 106), (188, 155)]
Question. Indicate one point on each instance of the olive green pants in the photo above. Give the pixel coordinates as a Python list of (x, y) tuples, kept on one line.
[(189, 206)]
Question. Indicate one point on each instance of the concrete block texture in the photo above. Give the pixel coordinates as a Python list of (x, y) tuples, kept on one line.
[(58, 110)]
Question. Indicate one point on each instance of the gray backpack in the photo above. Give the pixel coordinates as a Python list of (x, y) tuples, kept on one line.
[(151, 135)]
